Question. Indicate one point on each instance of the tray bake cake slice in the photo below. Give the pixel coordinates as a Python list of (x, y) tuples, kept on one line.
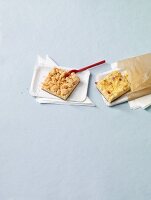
[(55, 83), (113, 85)]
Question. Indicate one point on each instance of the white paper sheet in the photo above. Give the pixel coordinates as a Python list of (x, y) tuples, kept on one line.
[(86, 102)]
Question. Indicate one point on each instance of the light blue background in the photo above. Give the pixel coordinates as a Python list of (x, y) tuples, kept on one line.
[(51, 152)]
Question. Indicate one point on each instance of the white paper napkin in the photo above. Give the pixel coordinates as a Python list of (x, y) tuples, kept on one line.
[(142, 102), (47, 62), (86, 102)]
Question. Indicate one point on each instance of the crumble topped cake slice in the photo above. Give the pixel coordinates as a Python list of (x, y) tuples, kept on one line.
[(113, 85), (57, 84)]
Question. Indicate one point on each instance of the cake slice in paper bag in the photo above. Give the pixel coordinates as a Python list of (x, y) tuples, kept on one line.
[(113, 85)]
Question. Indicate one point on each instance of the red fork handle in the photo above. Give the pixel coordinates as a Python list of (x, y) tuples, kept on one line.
[(90, 66)]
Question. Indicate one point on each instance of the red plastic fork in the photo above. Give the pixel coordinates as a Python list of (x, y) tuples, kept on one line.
[(84, 68)]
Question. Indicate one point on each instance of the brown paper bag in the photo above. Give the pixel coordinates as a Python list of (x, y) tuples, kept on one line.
[(139, 75)]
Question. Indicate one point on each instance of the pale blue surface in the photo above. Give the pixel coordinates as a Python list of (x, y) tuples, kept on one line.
[(63, 152)]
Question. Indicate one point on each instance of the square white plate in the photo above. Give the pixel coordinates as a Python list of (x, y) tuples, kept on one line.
[(40, 72), (120, 100)]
